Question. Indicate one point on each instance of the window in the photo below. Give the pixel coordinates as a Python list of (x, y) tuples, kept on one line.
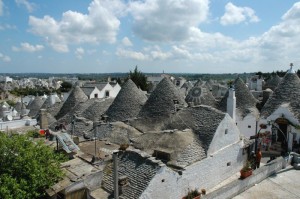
[(226, 131), (96, 95), (164, 156), (249, 126), (228, 164), (106, 93)]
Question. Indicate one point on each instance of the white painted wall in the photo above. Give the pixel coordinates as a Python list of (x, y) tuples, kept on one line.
[(246, 125), (107, 87), (95, 91), (207, 173), (17, 123), (283, 111), (116, 90)]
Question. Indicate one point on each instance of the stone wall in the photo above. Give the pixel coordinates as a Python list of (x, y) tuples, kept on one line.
[(238, 186), (17, 124)]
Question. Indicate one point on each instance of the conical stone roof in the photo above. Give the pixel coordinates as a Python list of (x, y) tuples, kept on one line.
[(18, 106), (127, 104), (35, 106), (47, 103), (200, 95), (97, 109), (161, 102), (245, 101), (76, 96), (273, 82), (198, 83), (288, 91)]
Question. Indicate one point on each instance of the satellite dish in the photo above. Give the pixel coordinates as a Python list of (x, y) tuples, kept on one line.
[(9, 118)]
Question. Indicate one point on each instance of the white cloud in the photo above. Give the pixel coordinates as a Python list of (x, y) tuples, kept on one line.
[(99, 25), (126, 42), (159, 55), (181, 53), (167, 20), (79, 52), (131, 54), (28, 5), (4, 58), (235, 15), (26, 47), (1, 7)]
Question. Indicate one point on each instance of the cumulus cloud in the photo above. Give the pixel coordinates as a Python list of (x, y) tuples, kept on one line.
[(26, 47), (126, 42), (99, 25), (131, 54), (79, 52), (167, 20), (159, 55), (283, 40), (28, 5), (1, 7), (4, 58), (235, 15)]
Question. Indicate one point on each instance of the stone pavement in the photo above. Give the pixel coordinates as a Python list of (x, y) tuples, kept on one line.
[(285, 184)]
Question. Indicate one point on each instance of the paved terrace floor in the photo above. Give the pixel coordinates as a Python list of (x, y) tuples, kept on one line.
[(285, 184)]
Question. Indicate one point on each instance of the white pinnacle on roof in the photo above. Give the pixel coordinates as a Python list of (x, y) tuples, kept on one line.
[(291, 70)]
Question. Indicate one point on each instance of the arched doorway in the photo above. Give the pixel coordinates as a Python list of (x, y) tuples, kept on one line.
[(282, 125)]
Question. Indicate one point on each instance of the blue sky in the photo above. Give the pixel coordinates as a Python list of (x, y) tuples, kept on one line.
[(192, 36)]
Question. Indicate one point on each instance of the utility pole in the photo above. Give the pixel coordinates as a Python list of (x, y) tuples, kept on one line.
[(73, 126)]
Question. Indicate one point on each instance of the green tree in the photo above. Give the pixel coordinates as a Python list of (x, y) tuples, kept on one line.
[(139, 79), (27, 168), (65, 87)]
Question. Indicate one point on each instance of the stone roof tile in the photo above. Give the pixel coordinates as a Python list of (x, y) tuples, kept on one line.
[(245, 101), (127, 104), (288, 91), (138, 170), (76, 96)]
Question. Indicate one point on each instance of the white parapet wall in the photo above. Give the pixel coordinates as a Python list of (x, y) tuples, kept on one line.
[(17, 124)]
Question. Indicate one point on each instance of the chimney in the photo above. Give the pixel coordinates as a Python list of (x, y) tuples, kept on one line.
[(116, 176), (231, 103), (43, 119)]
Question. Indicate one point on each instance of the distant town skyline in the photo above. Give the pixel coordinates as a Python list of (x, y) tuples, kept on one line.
[(106, 36)]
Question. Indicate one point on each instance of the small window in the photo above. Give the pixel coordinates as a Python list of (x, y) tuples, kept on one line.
[(226, 131), (249, 126), (228, 164), (96, 95), (106, 93)]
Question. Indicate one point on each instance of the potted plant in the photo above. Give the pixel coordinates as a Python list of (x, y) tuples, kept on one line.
[(263, 126), (246, 170), (193, 194)]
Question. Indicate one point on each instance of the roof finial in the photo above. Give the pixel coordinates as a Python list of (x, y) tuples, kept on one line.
[(291, 69)]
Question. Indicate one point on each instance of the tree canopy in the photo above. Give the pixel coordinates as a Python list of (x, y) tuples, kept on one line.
[(65, 87), (27, 168), (139, 79)]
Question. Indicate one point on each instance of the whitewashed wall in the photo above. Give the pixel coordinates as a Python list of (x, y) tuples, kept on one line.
[(283, 111), (17, 123), (107, 87), (116, 90), (207, 173), (246, 125), (95, 91)]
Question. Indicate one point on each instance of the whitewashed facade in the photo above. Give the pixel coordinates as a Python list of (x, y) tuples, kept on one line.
[(224, 158)]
